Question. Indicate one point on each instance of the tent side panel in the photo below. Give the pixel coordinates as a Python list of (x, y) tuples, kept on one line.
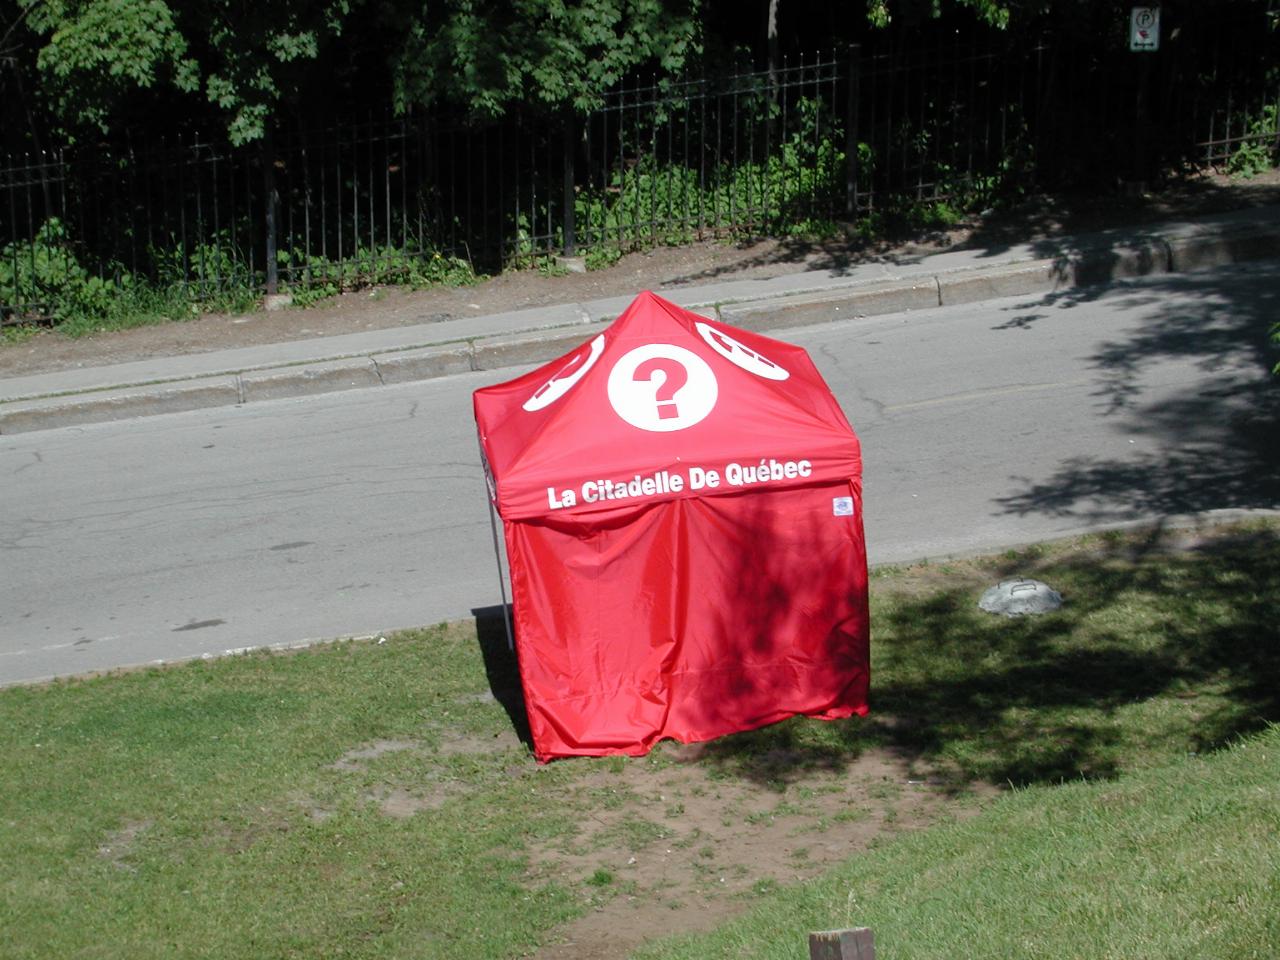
[(691, 619)]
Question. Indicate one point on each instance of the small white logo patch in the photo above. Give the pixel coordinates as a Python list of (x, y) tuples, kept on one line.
[(562, 382), (842, 507), (741, 354)]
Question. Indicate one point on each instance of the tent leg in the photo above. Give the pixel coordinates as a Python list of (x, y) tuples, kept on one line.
[(502, 586)]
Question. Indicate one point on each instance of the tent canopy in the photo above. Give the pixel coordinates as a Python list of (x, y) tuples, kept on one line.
[(663, 405), (681, 503)]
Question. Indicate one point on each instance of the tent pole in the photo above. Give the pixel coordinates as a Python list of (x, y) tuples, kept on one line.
[(502, 586)]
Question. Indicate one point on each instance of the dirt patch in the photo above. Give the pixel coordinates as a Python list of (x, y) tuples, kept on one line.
[(242, 834), (675, 843), (401, 801), (454, 743), (118, 844), (664, 268), (676, 849), (357, 758)]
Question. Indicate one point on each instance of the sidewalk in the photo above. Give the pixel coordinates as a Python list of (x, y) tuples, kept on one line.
[(522, 337)]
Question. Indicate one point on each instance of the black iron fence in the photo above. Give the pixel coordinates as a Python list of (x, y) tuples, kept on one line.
[(815, 142)]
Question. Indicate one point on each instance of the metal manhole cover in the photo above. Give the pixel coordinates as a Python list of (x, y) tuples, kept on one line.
[(1020, 597)]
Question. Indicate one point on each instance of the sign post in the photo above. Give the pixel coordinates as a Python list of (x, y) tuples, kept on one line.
[(1144, 37)]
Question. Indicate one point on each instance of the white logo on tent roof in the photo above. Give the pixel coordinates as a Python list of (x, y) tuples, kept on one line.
[(565, 378), (740, 354), (661, 387)]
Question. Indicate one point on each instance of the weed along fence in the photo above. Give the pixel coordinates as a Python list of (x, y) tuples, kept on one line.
[(850, 138)]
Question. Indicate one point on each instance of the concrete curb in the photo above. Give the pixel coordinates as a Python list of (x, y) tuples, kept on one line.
[(550, 332), (802, 310), (494, 353), (23, 416)]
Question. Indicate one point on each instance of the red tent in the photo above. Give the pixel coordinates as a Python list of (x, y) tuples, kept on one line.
[(682, 508)]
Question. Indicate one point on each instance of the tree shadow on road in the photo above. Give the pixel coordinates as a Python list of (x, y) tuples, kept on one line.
[(1217, 445), (1061, 226)]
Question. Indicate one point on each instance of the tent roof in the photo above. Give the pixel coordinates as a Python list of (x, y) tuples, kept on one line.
[(663, 404)]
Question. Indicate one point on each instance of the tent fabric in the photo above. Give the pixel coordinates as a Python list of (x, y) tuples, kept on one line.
[(576, 441), (689, 620), (681, 504)]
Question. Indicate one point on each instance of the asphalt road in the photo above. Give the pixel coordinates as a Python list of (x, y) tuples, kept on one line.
[(983, 426)]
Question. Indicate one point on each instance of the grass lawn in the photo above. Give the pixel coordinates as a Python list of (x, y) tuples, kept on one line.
[(372, 799)]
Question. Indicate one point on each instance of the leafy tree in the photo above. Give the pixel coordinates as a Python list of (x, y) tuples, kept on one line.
[(94, 54), (249, 59), (258, 57), (489, 54), (881, 12)]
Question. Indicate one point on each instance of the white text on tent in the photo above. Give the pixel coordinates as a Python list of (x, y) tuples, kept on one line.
[(666, 482)]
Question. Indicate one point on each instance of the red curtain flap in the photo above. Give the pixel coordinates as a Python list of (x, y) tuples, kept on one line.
[(690, 618)]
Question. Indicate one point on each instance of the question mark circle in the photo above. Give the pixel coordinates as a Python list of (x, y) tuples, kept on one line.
[(645, 404)]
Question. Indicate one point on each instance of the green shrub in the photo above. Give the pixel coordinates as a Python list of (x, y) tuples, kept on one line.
[(655, 202), (45, 280), (311, 278), (1260, 151)]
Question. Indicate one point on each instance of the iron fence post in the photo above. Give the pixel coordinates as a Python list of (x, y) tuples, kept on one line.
[(851, 136), (570, 226), (269, 205)]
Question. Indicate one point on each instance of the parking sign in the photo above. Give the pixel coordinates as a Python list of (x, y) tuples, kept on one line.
[(1144, 28)]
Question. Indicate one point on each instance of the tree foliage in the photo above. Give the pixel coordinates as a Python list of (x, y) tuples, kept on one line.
[(881, 12), (258, 54), (246, 58), (88, 63), (92, 54), (488, 54)]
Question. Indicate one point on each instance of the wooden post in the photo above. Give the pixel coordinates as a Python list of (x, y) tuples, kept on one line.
[(856, 944)]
